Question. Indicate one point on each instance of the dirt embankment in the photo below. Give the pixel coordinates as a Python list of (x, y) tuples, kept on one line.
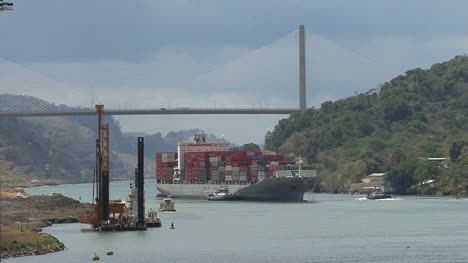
[(22, 218)]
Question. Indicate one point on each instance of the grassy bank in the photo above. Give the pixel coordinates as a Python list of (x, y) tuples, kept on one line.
[(16, 243), (22, 218)]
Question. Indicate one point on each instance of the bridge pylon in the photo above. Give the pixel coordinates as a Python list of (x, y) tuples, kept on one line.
[(302, 70)]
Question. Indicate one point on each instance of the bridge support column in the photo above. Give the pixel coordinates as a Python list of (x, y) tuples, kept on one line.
[(302, 70)]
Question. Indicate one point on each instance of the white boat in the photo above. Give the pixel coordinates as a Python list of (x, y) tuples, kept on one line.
[(377, 195), (152, 219), (167, 205), (222, 194)]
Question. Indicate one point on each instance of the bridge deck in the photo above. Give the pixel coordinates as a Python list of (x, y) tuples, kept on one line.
[(149, 112)]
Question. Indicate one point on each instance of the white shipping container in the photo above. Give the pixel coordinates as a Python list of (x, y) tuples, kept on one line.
[(213, 159), (235, 169), (228, 168), (242, 178), (228, 178)]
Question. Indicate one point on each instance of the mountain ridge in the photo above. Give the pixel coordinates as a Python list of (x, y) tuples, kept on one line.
[(62, 149)]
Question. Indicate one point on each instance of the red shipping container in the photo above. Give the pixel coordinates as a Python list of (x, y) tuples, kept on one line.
[(195, 155), (220, 155)]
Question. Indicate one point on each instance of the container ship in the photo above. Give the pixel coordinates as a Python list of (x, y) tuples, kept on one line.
[(199, 168)]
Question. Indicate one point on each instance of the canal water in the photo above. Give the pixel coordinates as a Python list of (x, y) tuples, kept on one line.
[(328, 228)]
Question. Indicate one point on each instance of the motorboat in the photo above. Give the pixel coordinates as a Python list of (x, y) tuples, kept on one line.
[(161, 196), (222, 194), (152, 219), (377, 195), (167, 205)]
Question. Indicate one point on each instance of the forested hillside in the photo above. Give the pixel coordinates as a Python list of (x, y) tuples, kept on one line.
[(392, 129), (62, 149), (55, 149)]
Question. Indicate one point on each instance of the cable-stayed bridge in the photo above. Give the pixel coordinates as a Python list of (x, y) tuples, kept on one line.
[(213, 93)]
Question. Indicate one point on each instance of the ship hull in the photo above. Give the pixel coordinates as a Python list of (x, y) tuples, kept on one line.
[(286, 189)]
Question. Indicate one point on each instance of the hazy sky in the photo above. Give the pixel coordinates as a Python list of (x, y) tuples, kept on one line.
[(148, 53)]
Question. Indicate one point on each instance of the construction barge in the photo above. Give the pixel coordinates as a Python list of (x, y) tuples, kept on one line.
[(117, 215)]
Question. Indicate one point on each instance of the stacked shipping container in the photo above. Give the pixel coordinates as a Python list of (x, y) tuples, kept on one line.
[(195, 167), (165, 166), (220, 167)]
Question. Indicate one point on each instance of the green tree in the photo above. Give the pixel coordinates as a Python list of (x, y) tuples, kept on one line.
[(250, 147), (456, 149), (429, 170), (268, 141), (432, 149), (400, 177), (396, 109)]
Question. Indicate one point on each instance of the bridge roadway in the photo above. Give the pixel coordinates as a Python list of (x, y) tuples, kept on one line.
[(161, 111)]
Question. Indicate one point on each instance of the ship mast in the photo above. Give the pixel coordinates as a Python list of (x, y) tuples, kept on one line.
[(300, 166)]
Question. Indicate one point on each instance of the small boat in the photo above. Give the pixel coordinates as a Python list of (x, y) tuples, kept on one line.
[(110, 252), (96, 257), (152, 219), (222, 194), (161, 196), (167, 205), (172, 226), (377, 195)]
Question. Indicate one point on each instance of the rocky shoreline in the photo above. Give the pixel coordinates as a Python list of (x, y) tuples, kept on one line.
[(55, 246), (22, 220)]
